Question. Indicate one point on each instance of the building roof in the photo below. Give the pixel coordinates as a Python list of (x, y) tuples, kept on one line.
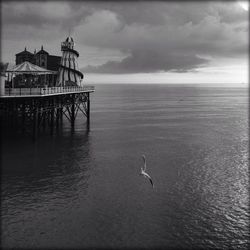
[(25, 52), (69, 39), (42, 51), (29, 68)]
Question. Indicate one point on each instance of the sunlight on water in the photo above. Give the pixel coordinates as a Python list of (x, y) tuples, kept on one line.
[(82, 188)]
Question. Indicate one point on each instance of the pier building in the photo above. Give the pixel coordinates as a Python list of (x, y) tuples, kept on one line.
[(41, 58), (36, 103)]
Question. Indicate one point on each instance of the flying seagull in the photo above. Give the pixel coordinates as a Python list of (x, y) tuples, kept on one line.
[(143, 169)]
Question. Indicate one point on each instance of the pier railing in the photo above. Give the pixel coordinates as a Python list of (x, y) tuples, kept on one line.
[(40, 91)]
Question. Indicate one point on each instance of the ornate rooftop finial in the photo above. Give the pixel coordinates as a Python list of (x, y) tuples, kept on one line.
[(25, 49), (42, 47), (35, 51)]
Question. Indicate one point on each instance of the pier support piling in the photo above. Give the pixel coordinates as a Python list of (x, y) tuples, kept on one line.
[(88, 107), (44, 111), (31, 112)]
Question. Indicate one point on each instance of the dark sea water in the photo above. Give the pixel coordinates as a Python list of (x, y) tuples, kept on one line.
[(82, 188)]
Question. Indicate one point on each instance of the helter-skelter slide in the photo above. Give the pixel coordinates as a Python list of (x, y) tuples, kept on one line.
[(69, 74)]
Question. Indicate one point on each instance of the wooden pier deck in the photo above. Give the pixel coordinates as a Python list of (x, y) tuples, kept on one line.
[(41, 92), (44, 107)]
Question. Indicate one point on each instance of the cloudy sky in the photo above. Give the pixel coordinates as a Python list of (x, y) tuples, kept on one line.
[(136, 41)]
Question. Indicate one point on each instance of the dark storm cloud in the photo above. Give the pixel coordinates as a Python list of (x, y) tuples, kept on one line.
[(149, 61), (181, 38), (153, 36), (39, 14)]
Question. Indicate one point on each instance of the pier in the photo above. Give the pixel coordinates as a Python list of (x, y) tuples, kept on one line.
[(42, 89), (35, 108)]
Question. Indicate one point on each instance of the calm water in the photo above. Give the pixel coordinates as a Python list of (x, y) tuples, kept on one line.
[(81, 188)]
